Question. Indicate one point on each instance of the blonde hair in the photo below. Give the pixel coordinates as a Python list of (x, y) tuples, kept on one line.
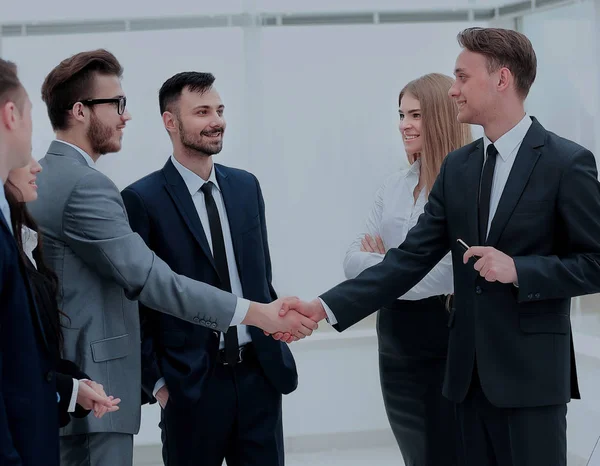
[(441, 131)]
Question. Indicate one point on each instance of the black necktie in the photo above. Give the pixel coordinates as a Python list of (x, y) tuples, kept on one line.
[(485, 192), (220, 256)]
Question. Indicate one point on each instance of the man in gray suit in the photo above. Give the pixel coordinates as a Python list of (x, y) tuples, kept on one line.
[(102, 264)]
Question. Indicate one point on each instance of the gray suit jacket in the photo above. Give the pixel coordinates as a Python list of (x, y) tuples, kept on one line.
[(102, 268)]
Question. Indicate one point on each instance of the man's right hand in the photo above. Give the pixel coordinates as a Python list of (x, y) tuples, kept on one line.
[(162, 396), (312, 310), (268, 318)]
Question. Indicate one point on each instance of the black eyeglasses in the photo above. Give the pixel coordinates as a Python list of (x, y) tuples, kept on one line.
[(120, 101)]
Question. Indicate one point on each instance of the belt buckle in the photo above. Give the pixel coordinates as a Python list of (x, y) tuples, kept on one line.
[(240, 357)]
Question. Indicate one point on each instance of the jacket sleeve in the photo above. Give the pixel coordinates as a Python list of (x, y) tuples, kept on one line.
[(96, 228)]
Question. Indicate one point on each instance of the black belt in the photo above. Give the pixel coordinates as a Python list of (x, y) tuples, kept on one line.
[(244, 352)]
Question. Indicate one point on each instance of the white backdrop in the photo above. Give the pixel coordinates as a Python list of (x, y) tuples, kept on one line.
[(319, 129), (565, 95), (64, 10)]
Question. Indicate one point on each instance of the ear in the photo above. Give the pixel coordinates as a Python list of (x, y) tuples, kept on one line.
[(8, 115), (79, 111), (505, 79), (170, 122)]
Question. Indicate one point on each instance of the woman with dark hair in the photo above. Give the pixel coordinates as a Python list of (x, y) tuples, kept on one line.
[(72, 385)]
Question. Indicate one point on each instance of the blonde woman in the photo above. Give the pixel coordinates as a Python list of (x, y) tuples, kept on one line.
[(413, 331)]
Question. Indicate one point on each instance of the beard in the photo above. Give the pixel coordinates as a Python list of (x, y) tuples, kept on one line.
[(101, 137), (199, 144)]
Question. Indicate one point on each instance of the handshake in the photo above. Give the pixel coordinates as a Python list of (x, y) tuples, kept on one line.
[(286, 319)]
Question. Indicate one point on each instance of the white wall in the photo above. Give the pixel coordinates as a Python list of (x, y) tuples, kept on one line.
[(323, 129), (565, 95), (64, 10)]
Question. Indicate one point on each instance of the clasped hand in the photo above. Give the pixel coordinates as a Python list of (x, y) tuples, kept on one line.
[(91, 396)]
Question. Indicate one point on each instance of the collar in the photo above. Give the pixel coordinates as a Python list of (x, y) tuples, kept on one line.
[(506, 144), (192, 181), (86, 156)]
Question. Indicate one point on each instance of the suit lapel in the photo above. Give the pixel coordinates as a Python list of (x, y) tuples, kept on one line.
[(525, 161), (234, 209), (472, 170), (180, 195)]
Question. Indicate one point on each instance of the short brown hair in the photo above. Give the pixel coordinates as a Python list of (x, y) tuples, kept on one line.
[(72, 81), (503, 48), (442, 133), (11, 88)]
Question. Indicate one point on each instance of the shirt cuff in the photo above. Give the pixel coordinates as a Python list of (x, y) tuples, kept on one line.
[(160, 383), (73, 401), (241, 309), (330, 316)]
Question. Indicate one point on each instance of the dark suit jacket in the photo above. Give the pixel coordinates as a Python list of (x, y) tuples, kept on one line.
[(161, 210), (28, 414), (66, 371), (548, 221)]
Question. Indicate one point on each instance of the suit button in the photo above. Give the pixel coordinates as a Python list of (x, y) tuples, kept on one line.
[(196, 319), (478, 289), (214, 325), (529, 296), (49, 376), (537, 296), (202, 322)]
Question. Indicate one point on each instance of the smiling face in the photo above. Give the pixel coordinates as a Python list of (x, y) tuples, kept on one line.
[(200, 121), (475, 88), (410, 126), (21, 181)]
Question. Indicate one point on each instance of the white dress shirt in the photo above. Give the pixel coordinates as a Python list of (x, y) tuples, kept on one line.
[(507, 146), (394, 213), (194, 183), (30, 242)]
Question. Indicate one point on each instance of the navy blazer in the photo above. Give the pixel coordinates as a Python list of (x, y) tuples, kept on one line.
[(162, 211), (28, 413), (548, 221)]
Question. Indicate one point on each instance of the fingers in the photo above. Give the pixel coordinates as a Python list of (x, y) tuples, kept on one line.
[(479, 251), (372, 242), (380, 246), (307, 328), (288, 304), (366, 244), (100, 410), (285, 307)]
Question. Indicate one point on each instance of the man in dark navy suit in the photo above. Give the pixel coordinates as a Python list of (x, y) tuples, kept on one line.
[(28, 398), (527, 202), (220, 392)]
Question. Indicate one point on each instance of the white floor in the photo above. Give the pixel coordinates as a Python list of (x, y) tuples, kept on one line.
[(381, 456)]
